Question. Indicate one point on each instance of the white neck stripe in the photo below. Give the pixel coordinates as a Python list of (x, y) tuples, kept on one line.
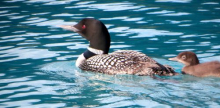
[(96, 51)]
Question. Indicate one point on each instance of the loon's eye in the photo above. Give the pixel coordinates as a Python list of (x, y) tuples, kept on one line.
[(84, 26)]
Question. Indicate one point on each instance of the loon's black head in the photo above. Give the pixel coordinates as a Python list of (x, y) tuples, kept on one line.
[(94, 31)]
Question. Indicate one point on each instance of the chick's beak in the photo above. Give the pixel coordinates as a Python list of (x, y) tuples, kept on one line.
[(173, 59), (69, 27)]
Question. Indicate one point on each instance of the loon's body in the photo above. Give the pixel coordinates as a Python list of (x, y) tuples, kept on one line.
[(122, 62), (97, 59)]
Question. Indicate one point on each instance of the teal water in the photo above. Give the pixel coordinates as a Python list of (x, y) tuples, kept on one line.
[(37, 59)]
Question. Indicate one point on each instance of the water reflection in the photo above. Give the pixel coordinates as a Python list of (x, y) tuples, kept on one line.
[(37, 58), (20, 53), (175, 1), (213, 21), (107, 7)]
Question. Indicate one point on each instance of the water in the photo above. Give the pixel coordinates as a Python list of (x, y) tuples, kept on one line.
[(37, 59)]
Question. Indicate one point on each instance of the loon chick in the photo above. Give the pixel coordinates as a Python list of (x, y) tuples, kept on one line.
[(193, 67), (97, 59)]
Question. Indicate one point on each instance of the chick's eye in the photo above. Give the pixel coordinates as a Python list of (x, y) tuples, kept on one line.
[(84, 26), (184, 57)]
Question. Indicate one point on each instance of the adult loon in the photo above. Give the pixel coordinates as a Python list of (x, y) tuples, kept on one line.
[(193, 67), (97, 59)]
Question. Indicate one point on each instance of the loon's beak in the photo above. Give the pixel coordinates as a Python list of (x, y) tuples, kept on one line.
[(174, 59), (69, 27)]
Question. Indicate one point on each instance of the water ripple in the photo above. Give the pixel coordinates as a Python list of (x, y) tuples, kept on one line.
[(210, 3), (23, 35), (161, 12), (54, 23), (41, 13), (34, 20), (146, 32), (175, 1), (59, 44), (58, 36), (115, 18), (21, 103), (37, 58), (8, 7), (109, 6), (212, 20), (54, 2), (24, 53), (176, 14), (66, 14)]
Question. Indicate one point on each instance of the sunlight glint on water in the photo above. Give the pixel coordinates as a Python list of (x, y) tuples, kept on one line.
[(37, 58)]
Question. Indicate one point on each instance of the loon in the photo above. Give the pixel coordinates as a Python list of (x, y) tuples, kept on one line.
[(193, 67), (97, 59)]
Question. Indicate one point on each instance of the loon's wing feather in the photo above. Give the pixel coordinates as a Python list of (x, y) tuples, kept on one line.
[(116, 63), (142, 57)]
